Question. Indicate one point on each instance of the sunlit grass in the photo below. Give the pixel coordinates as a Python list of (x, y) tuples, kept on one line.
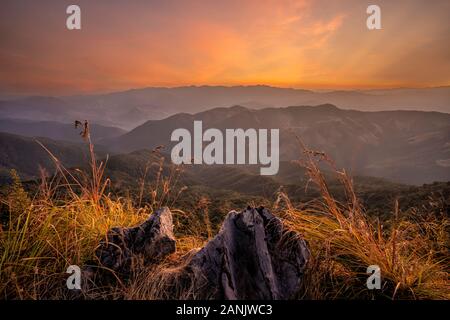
[(411, 250), (63, 224)]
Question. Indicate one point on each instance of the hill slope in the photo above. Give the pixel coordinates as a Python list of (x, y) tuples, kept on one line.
[(26, 156), (405, 146), (242, 185), (56, 130)]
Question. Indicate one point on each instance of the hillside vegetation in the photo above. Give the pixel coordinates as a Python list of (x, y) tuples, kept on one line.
[(403, 146), (28, 157), (409, 147), (62, 223)]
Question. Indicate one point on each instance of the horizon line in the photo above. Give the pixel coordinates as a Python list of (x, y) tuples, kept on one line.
[(314, 90)]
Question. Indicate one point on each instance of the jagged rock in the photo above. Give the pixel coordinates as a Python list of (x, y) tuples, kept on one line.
[(252, 257), (149, 242)]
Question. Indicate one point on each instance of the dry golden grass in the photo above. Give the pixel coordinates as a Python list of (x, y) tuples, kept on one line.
[(412, 251), (64, 223), (57, 229)]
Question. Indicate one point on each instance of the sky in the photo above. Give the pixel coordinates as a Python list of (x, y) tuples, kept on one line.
[(311, 44)]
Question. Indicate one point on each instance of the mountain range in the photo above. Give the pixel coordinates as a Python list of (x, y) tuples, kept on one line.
[(404, 146), (56, 130), (128, 109), (28, 157)]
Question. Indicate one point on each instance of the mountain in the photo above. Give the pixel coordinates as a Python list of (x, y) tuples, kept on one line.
[(404, 146), (37, 108), (229, 186), (128, 109), (241, 185), (56, 130), (127, 170), (26, 156)]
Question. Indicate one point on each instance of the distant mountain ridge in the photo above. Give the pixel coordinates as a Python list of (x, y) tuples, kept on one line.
[(56, 130), (26, 156), (404, 146), (127, 109)]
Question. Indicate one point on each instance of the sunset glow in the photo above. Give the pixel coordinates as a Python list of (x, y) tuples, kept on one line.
[(303, 43)]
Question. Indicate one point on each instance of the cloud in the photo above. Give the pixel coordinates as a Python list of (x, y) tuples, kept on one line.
[(294, 43)]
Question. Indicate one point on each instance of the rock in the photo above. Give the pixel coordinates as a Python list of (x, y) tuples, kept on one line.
[(252, 257), (149, 243)]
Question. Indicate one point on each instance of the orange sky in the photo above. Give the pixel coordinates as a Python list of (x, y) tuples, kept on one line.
[(302, 43)]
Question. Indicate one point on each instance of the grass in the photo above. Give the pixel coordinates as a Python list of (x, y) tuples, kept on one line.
[(63, 224), (411, 250)]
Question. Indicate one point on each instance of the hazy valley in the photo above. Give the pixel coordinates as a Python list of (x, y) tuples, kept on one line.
[(131, 108)]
